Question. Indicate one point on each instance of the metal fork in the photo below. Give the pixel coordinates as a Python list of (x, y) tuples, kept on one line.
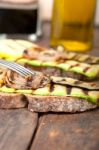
[(17, 68)]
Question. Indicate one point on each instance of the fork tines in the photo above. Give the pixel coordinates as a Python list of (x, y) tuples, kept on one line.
[(16, 67)]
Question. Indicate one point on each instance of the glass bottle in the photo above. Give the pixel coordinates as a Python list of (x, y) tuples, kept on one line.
[(19, 18), (72, 24)]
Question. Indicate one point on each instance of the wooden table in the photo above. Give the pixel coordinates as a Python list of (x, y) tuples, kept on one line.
[(24, 130)]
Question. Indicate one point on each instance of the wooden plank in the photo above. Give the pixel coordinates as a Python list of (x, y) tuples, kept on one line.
[(16, 129), (94, 52), (96, 38), (68, 131)]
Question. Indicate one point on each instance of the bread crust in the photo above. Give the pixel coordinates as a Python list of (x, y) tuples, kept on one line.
[(58, 104), (45, 103), (12, 100)]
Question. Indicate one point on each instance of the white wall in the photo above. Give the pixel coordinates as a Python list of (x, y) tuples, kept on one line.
[(97, 13), (45, 9)]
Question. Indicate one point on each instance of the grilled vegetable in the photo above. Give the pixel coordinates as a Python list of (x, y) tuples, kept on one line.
[(90, 71), (24, 91), (75, 82), (6, 89), (43, 54), (82, 58), (42, 91), (58, 90), (87, 70)]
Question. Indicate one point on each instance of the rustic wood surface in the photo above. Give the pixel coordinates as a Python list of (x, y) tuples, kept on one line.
[(19, 129), (68, 131), (16, 129)]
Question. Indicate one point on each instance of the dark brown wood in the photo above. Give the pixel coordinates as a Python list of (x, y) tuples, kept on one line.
[(16, 129), (68, 131)]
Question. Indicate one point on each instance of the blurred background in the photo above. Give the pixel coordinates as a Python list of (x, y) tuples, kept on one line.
[(72, 21), (46, 10)]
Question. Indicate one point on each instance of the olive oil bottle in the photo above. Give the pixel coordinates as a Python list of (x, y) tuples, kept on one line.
[(72, 24)]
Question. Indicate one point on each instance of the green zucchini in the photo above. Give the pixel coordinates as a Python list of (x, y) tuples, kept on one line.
[(90, 71), (58, 90), (24, 91), (44, 91), (7, 89)]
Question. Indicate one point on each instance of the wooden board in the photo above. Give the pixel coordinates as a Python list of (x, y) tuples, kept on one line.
[(68, 131), (16, 129)]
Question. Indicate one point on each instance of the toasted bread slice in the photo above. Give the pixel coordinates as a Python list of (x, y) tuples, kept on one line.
[(45, 103), (12, 100), (58, 104)]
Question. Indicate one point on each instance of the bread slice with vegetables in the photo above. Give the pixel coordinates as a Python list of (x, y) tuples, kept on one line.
[(49, 96), (63, 91)]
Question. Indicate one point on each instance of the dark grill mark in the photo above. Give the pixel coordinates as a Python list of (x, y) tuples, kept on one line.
[(39, 49), (93, 84), (51, 87), (68, 88), (74, 57), (88, 59), (25, 51), (86, 69), (98, 101), (73, 66), (77, 82), (63, 79), (85, 91)]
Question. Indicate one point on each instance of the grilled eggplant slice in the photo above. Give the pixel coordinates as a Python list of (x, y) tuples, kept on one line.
[(81, 57), (75, 83), (60, 54)]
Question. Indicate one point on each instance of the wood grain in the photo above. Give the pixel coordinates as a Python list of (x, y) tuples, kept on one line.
[(16, 129), (68, 131)]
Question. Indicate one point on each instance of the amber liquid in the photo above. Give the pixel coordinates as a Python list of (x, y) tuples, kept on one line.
[(72, 24)]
